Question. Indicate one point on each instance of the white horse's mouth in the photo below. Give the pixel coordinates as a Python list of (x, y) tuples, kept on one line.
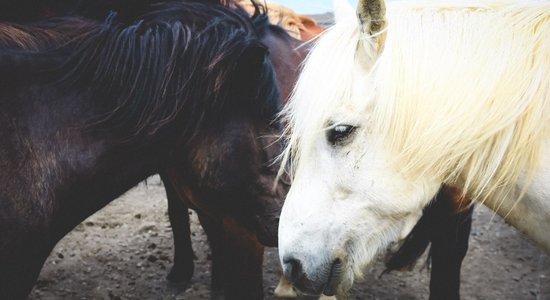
[(328, 272)]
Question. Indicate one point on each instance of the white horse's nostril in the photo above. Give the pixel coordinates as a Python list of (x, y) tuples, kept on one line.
[(292, 269)]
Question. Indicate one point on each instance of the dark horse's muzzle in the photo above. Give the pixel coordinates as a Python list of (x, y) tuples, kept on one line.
[(267, 228)]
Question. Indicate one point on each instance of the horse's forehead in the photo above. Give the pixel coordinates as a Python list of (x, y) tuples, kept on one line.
[(358, 95), (347, 102), (347, 113)]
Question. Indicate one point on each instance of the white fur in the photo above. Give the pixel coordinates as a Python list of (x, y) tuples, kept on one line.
[(460, 95)]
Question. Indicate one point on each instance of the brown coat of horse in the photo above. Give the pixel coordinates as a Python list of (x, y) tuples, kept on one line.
[(82, 123), (300, 27)]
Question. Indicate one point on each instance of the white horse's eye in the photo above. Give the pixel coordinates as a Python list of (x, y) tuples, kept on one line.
[(338, 134)]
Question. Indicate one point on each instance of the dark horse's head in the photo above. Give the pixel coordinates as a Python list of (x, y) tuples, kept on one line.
[(227, 165), (218, 77), (231, 169)]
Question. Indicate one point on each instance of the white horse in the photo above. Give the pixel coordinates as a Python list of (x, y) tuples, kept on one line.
[(390, 107)]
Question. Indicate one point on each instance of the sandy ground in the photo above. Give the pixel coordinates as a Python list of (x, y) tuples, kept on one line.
[(125, 251)]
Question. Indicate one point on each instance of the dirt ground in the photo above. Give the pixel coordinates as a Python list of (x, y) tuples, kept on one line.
[(125, 251)]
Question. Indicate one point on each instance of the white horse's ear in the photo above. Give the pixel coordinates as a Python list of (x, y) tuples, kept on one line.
[(343, 11), (372, 21)]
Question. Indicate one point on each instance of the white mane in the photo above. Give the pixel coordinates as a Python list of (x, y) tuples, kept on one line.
[(460, 91)]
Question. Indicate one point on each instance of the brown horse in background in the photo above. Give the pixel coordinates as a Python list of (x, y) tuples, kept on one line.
[(300, 27)]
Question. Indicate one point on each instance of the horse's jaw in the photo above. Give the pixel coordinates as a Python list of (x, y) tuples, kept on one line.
[(332, 251)]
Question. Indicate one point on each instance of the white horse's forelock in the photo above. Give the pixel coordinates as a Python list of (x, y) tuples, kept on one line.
[(317, 92), (460, 90)]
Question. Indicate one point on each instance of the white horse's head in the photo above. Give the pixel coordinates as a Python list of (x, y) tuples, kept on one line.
[(346, 203), (382, 116)]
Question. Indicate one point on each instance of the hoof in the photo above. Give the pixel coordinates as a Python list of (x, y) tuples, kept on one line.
[(177, 288), (179, 285), (179, 278), (284, 290)]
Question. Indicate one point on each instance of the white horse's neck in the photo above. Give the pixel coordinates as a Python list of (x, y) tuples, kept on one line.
[(530, 215)]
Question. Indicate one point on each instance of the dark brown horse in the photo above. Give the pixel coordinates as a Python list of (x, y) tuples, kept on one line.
[(85, 122), (237, 232)]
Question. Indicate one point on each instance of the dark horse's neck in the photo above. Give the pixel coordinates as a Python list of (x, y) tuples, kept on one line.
[(53, 155), (54, 171)]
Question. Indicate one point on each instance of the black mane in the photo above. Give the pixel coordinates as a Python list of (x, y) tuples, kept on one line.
[(42, 35), (181, 58)]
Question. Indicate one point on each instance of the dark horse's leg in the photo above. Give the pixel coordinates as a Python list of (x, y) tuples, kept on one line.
[(21, 262), (27, 236), (237, 259), (243, 259), (447, 227), (449, 246), (237, 256), (178, 213), (214, 231)]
